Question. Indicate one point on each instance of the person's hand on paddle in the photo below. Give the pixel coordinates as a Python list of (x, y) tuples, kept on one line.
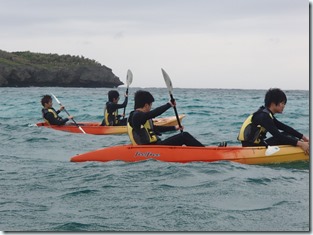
[(179, 128), (173, 104), (70, 117), (61, 108)]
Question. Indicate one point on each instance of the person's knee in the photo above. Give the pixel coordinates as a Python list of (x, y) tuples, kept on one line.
[(186, 134)]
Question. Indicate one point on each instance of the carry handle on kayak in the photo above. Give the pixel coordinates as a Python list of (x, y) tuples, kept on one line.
[(169, 85), (79, 127), (129, 80)]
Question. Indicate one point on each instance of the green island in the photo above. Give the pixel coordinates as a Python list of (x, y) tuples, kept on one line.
[(25, 69)]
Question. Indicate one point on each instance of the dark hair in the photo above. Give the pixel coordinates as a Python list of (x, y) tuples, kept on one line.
[(113, 94), (142, 98), (274, 95), (46, 99)]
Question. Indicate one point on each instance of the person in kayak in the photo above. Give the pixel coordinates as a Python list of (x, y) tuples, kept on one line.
[(49, 114), (111, 117), (254, 129), (141, 129)]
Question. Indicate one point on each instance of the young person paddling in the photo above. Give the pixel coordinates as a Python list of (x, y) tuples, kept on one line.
[(49, 114), (141, 129), (254, 129), (111, 117)]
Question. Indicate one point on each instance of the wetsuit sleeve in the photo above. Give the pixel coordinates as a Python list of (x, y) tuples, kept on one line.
[(113, 107), (140, 118), (54, 121), (164, 128), (287, 129), (270, 125), (157, 111)]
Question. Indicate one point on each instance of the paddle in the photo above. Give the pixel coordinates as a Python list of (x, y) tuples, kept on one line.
[(81, 129), (129, 80), (169, 85)]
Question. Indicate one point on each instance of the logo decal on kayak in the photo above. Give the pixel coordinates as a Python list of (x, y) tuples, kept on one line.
[(146, 154)]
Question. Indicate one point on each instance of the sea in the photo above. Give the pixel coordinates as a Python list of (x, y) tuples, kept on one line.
[(42, 191)]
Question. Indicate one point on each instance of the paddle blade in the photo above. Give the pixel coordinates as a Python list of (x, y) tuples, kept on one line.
[(129, 78), (57, 100), (168, 81), (271, 150), (81, 129)]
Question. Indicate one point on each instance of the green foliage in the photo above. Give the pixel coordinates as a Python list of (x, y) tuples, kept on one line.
[(41, 60)]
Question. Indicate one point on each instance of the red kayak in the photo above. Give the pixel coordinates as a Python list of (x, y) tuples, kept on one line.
[(184, 154), (94, 128)]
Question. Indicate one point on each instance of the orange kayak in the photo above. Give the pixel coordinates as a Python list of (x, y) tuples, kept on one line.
[(184, 154), (94, 128)]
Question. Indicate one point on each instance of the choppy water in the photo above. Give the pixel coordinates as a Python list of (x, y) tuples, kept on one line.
[(42, 191)]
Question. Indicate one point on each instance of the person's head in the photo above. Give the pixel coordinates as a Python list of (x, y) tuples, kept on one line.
[(113, 95), (143, 98), (276, 96), (46, 101)]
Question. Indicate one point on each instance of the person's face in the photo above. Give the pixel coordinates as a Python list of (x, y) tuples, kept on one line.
[(115, 100), (148, 107), (279, 108), (49, 104)]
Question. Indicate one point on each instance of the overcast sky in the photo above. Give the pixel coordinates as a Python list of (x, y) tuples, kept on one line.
[(249, 44)]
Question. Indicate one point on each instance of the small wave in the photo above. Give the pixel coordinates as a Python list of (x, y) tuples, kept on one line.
[(36, 139), (73, 226), (79, 193), (263, 181)]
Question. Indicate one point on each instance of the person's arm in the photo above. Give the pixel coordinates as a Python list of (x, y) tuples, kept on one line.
[(287, 129), (157, 111), (164, 128), (54, 121), (304, 145), (140, 118), (123, 105), (268, 123)]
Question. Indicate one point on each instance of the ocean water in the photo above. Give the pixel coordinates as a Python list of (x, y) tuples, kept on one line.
[(41, 190)]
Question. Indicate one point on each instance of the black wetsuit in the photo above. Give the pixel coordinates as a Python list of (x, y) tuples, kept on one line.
[(289, 136), (51, 118), (138, 118), (111, 108)]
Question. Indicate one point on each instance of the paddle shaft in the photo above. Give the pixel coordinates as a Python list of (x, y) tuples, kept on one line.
[(79, 127), (176, 113), (125, 106), (129, 80), (72, 118)]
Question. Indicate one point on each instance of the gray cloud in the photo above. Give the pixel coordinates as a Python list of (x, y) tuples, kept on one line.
[(243, 35)]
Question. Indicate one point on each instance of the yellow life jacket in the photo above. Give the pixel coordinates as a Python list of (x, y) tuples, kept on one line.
[(45, 111), (110, 119), (251, 132), (145, 135)]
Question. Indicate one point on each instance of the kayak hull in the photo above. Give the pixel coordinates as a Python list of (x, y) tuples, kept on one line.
[(184, 154), (94, 128)]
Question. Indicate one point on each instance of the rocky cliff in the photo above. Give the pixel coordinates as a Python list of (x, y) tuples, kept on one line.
[(23, 69)]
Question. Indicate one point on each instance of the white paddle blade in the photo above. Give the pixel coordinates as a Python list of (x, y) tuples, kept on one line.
[(81, 129), (168, 81), (56, 99), (271, 150), (129, 78)]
